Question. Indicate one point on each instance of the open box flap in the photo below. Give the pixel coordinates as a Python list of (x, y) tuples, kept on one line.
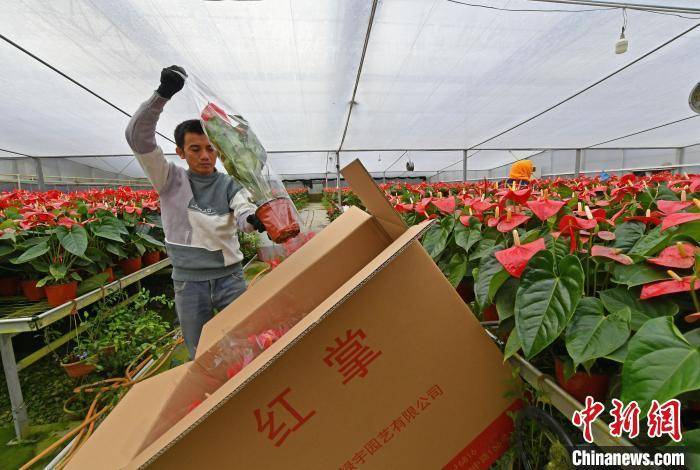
[(373, 199), (264, 360)]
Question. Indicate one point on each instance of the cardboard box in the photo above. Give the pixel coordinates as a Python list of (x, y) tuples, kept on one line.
[(387, 368)]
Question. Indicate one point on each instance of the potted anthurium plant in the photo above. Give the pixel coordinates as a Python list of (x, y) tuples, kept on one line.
[(244, 158), (53, 254)]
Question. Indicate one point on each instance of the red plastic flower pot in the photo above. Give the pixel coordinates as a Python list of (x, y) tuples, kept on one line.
[(279, 218), (151, 258), (59, 294), (32, 292), (581, 384), (130, 266), (78, 368), (8, 286), (110, 274)]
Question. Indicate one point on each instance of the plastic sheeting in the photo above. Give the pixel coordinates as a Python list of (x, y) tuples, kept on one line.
[(437, 75)]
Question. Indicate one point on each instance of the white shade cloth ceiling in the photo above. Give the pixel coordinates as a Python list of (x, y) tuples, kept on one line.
[(437, 75)]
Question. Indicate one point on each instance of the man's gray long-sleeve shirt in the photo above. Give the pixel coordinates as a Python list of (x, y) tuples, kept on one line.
[(200, 214)]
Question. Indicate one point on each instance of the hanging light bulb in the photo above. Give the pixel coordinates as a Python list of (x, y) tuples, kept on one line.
[(622, 44)]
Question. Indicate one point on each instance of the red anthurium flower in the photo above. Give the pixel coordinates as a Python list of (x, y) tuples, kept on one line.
[(602, 203), (576, 223), (465, 220), (446, 205), (681, 255), (611, 253), (652, 218), (545, 209), (506, 224), (421, 206), (515, 259), (520, 196), (678, 219), (67, 222), (401, 207), (605, 235), (481, 206), (670, 207), (692, 318), (671, 286)]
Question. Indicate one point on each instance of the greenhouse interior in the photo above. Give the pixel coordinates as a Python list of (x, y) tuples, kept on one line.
[(350, 234)]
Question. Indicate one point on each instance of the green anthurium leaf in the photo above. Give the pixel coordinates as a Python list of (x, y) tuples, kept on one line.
[(558, 246), (489, 267), (619, 354), (651, 243), (32, 253), (646, 199), (58, 271), (12, 213), (591, 334), (114, 223), (660, 364), (505, 299), (513, 345), (140, 248), (154, 218), (6, 250), (457, 268), (693, 337), (435, 240), (109, 232), (39, 265), (619, 298), (35, 241), (466, 238), (689, 231), (628, 234), (152, 241), (546, 299), (9, 223), (92, 283), (666, 194), (43, 281), (76, 276), (530, 236), (637, 274), (74, 240), (496, 282), (116, 250), (483, 248)]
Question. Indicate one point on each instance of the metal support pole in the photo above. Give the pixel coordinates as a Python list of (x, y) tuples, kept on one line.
[(337, 184), (464, 165), (40, 174), (680, 156), (19, 410), (577, 167)]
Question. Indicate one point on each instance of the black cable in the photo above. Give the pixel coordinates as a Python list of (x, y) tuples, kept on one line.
[(16, 153), (529, 10), (359, 73), (643, 131), (594, 84), (72, 80)]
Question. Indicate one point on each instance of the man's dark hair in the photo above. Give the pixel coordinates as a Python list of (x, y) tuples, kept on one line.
[(191, 125)]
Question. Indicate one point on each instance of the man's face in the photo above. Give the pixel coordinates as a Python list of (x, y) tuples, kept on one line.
[(199, 153)]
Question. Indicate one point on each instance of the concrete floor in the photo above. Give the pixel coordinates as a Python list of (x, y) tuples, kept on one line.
[(314, 217)]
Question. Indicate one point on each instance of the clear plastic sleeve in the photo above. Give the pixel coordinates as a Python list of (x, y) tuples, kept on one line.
[(245, 159)]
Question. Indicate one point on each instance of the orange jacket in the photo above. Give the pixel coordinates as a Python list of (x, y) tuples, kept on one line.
[(521, 170)]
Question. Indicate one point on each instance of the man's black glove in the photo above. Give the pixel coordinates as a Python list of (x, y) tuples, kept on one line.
[(171, 81), (255, 222)]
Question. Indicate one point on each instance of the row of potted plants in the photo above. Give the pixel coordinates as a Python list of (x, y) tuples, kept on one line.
[(594, 281), (52, 241), (299, 196)]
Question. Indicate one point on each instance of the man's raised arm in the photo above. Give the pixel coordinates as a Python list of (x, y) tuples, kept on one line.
[(141, 131)]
